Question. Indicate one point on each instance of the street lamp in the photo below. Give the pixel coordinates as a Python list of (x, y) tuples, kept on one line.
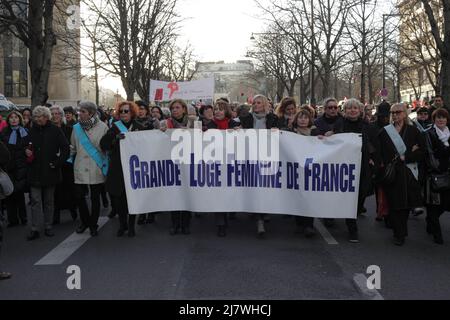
[(385, 16)]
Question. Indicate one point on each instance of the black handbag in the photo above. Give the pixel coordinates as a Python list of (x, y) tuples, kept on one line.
[(430, 159), (440, 181), (390, 172)]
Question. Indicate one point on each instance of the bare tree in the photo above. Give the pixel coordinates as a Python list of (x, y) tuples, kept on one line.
[(34, 23), (364, 35), (283, 59), (329, 18), (441, 26), (420, 55), (130, 39), (179, 63)]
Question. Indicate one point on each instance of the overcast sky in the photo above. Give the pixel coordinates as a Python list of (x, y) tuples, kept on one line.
[(220, 29), (217, 30)]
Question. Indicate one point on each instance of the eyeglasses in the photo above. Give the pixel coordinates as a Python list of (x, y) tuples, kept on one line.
[(396, 112), (125, 111)]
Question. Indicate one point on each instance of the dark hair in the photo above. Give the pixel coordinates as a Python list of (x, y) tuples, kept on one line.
[(204, 108), (26, 109), (438, 96), (224, 106), (141, 104), (242, 108), (302, 112), (69, 109), (441, 113), (159, 110), (223, 99)]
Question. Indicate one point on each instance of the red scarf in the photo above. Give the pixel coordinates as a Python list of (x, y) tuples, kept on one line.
[(222, 124)]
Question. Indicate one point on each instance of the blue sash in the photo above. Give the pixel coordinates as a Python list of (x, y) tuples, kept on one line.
[(119, 124), (101, 160), (401, 148)]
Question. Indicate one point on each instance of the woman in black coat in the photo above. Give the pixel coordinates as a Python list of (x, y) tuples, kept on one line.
[(404, 193), (260, 118), (286, 112), (115, 183), (438, 202), (354, 123), (47, 154), (16, 138), (303, 125), (65, 191)]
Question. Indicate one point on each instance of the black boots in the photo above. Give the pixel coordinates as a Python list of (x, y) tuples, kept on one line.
[(181, 221)]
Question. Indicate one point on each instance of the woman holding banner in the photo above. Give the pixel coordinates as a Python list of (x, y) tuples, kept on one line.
[(260, 118), (354, 123), (89, 166), (286, 112), (180, 119), (115, 185), (402, 147), (302, 124)]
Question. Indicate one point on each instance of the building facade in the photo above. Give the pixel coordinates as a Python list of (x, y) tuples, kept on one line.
[(420, 60), (64, 82), (232, 80)]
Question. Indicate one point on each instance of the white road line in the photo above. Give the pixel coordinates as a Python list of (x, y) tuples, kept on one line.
[(68, 247), (324, 232), (360, 282)]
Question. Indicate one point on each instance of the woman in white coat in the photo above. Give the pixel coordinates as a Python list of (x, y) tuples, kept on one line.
[(90, 164)]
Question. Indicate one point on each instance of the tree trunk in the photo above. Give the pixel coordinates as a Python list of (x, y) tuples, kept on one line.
[(362, 95), (445, 80), (42, 40)]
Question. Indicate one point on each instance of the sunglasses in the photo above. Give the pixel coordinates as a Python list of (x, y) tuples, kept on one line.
[(126, 111), (396, 112)]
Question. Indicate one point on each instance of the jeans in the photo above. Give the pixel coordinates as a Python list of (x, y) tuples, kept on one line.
[(42, 204)]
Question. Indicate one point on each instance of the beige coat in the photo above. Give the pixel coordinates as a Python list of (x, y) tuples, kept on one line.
[(85, 169)]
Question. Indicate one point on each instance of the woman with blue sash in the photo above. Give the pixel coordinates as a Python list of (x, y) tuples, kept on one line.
[(90, 165), (402, 145), (115, 184)]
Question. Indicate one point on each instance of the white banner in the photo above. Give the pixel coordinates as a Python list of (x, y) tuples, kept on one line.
[(311, 177), (193, 90)]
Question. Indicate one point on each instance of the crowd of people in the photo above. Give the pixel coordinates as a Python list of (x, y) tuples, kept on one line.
[(65, 157)]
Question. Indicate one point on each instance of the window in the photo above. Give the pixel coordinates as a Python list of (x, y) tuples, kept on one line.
[(15, 67)]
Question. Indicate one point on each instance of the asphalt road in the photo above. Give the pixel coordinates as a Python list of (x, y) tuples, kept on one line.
[(284, 265)]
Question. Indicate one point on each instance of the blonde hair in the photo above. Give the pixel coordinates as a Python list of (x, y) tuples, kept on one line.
[(264, 100), (404, 106), (354, 102)]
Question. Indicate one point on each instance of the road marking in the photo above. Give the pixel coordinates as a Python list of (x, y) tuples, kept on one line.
[(360, 281), (68, 247), (324, 232)]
